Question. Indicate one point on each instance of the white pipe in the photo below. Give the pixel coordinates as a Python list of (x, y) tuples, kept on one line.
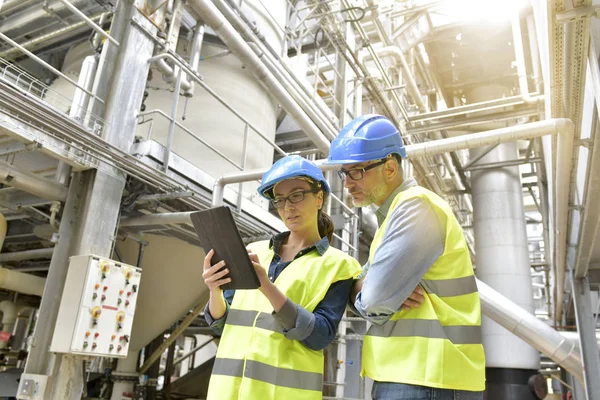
[(20, 282), (169, 73), (195, 50), (411, 84), (9, 316), (232, 39), (562, 126), (520, 59), (90, 23), (11, 175), (126, 367), (49, 36), (535, 54), (26, 254), (531, 329), (41, 62)]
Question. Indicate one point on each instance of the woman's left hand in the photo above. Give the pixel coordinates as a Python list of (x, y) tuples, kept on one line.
[(260, 270)]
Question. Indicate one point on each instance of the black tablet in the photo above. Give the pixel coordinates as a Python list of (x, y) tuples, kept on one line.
[(216, 230)]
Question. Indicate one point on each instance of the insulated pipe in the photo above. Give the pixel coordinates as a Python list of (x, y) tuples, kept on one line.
[(79, 110), (470, 108), (169, 73), (321, 115), (90, 23), (28, 182), (529, 328), (27, 255), (21, 282), (9, 316), (574, 337), (232, 39), (535, 54), (520, 58), (196, 48), (49, 36), (126, 367), (157, 219), (411, 84)]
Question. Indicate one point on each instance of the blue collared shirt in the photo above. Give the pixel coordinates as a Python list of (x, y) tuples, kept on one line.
[(413, 240), (315, 330)]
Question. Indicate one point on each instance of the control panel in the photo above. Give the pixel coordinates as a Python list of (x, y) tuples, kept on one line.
[(97, 307)]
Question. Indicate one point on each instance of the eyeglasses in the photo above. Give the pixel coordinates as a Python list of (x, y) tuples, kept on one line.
[(293, 198), (357, 174)]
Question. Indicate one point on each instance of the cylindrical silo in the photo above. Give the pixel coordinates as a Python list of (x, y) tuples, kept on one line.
[(502, 260)]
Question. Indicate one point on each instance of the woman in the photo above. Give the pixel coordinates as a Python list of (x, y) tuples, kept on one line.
[(272, 337)]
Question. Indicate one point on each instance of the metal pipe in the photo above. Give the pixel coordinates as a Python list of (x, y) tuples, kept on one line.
[(172, 120), (11, 175), (48, 36), (232, 39), (529, 328), (411, 84), (41, 62), (90, 23), (78, 111), (520, 58), (27, 255), (561, 126), (196, 48), (535, 54), (157, 219), (21, 282), (317, 109), (471, 108)]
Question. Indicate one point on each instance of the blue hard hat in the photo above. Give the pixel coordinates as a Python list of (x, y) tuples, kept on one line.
[(365, 138), (288, 168)]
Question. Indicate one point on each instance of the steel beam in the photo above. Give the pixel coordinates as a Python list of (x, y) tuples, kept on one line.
[(586, 326)]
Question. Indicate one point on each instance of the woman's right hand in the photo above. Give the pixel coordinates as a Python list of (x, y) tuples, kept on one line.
[(214, 278)]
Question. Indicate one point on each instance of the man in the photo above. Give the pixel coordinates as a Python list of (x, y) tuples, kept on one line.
[(434, 350)]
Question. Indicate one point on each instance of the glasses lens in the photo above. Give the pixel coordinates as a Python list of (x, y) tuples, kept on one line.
[(296, 197), (278, 203), (355, 174)]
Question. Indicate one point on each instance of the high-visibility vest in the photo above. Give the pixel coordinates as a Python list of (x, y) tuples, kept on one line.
[(437, 344), (254, 359)]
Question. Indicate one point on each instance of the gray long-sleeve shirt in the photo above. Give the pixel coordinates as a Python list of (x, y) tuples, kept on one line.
[(413, 240)]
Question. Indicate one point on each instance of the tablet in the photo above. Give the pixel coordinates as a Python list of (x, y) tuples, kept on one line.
[(216, 230)]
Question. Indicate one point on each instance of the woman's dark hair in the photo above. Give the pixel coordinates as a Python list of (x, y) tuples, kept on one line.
[(324, 221)]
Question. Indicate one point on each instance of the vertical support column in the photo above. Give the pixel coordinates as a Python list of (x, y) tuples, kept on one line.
[(92, 207), (586, 326)]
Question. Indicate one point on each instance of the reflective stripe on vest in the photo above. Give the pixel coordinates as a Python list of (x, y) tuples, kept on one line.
[(437, 344), (254, 359), (269, 374), (451, 287), (428, 328), (248, 318)]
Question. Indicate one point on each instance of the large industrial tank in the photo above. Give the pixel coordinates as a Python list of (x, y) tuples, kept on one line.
[(502, 261), (172, 282)]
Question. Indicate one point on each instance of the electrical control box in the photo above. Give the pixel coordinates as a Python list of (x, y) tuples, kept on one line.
[(97, 308)]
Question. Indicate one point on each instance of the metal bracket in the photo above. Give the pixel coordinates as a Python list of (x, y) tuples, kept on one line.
[(578, 13), (32, 387)]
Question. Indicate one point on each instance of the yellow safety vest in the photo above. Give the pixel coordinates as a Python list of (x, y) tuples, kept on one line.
[(254, 359), (439, 343)]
